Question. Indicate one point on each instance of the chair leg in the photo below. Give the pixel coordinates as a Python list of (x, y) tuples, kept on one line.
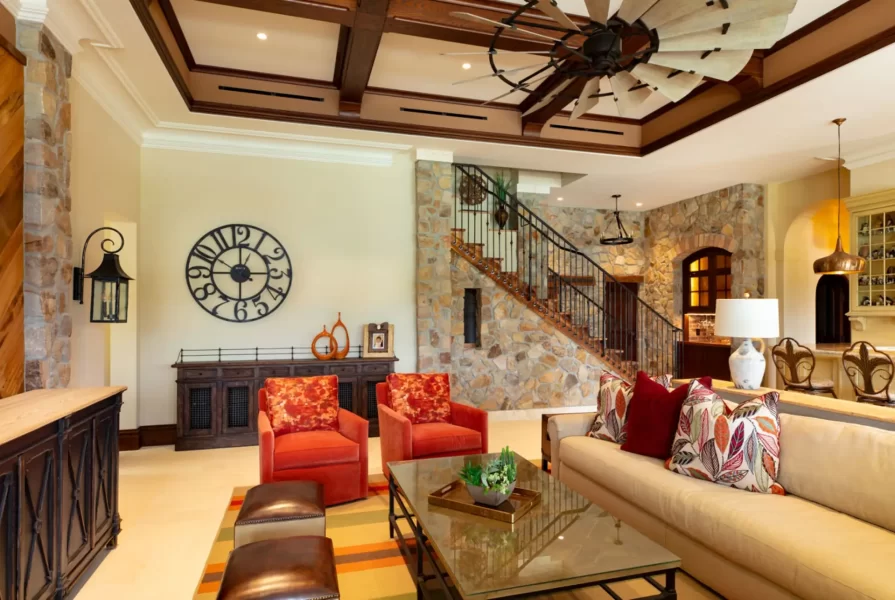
[(833, 393)]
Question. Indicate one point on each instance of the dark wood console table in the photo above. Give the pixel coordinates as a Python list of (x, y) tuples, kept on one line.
[(217, 401), (58, 489)]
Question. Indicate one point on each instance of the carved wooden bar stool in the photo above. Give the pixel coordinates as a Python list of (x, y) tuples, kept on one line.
[(870, 372), (796, 364)]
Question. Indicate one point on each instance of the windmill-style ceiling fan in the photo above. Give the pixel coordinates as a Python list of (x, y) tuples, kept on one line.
[(664, 46)]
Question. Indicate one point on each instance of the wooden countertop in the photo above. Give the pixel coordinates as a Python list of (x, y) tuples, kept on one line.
[(846, 408), (23, 413), (836, 350)]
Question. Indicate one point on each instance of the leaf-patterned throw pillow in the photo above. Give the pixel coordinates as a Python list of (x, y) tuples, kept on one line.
[(421, 397), (611, 421), (296, 404), (736, 446)]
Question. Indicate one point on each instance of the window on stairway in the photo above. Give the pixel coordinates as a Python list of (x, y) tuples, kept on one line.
[(472, 318), (706, 278)]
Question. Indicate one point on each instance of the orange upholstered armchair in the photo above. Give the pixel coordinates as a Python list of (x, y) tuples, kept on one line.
[(335, 459), (465, 433)]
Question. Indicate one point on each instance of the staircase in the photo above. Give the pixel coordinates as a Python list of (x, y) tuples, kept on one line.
[(546, 272)]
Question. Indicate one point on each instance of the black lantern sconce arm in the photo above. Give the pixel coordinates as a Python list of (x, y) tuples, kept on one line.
[(110, 283)]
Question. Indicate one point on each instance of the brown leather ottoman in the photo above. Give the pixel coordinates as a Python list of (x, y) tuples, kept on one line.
[(279, 510), (296, 568)]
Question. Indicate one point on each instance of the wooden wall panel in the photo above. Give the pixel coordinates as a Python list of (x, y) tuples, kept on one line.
[(12, 163)]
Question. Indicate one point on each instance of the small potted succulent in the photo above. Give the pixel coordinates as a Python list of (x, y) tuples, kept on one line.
[(491, 484)]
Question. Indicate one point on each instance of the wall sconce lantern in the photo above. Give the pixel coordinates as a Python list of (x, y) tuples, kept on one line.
[(110, 282)]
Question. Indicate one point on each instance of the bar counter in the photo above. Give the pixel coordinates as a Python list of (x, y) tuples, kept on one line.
[(58, 488)]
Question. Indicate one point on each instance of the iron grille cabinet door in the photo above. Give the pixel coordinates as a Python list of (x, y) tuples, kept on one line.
[(199, 411), (9, 509), (240, 407), (77, 493)]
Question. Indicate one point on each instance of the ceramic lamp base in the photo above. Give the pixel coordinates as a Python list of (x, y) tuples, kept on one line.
[(747, 367)]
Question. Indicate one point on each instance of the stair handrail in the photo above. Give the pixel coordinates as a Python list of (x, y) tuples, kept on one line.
[(514, 206)]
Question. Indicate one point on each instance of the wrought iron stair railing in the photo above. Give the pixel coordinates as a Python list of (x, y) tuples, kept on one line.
[(519, 250)]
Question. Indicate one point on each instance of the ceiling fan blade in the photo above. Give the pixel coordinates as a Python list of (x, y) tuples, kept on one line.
[(598, 10), (549, 97), (723, 65), (500, 72), (588, 98), (715, 15), (753, 35), (516, 88), (673, 86), (627, 100), (477, 19), (495, 53), (631, 10), (549, 8)]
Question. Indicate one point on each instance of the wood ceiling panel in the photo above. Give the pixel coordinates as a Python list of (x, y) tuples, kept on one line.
[(223, 36)]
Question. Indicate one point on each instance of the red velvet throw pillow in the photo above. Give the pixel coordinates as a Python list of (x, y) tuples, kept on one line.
[(653, 415)]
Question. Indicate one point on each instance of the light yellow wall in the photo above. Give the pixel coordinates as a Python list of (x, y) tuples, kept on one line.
[(105, 187), (349, 231), (801, 229), (873, 178)]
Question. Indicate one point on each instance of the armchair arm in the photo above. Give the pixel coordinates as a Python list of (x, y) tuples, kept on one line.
[(265, 447), (473, 418), (563, 426), (395, 437), (357, 429)]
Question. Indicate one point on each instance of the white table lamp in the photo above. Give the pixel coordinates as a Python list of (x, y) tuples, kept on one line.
[(750, 318)]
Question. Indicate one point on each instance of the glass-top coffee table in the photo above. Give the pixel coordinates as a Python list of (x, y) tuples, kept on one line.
[(564, 542)]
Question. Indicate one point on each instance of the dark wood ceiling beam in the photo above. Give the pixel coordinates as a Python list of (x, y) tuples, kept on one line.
[(360, 53), (331, 11)]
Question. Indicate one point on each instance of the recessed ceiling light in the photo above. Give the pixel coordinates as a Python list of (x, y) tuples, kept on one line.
[(262, 36), (562, 537), (467, 66), (639, 204), (559, 199)]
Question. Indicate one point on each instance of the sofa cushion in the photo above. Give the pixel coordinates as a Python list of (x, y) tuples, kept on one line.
[(847, 467), (313, 449), (615, 395), (303, 403), (421, 397), (653, 415), (441, 438), (790, 541), (739, 447)]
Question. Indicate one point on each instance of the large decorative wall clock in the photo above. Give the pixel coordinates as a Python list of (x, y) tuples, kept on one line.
[(239, 273)]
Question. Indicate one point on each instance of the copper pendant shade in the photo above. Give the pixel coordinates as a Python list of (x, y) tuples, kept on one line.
[(839, 262)]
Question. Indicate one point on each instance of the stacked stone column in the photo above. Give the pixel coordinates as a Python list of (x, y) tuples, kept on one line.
[(47, 208), (434, 205)]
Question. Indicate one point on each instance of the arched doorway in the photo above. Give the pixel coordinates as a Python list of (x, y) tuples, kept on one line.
[(831, 304), (706, 277)]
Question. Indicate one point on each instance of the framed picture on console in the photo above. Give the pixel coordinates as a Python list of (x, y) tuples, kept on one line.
[(379, 341)]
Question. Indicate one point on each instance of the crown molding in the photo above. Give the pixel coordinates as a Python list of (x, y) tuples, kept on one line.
[(445, 156), (244, 145), (34, 11), (111, 101), (866, 160)]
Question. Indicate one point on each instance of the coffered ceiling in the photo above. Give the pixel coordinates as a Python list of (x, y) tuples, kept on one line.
[(384, 65)]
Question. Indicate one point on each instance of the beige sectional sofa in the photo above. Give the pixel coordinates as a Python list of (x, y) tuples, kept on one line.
[(831, 536)]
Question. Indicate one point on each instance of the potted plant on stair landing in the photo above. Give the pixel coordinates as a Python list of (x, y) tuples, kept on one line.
[(492, 483), (502, 188)]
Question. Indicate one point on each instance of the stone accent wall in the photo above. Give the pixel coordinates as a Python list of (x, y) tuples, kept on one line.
[(731, 218), (47, 208), (434, 205), (584, 227), (523, 361)]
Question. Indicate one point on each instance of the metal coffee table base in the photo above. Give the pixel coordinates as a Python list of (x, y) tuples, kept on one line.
[(666, 592)]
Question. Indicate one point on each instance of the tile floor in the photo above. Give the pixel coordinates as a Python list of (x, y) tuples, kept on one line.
[(171, 505)]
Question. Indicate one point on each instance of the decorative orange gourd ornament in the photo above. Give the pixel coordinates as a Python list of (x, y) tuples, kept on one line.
[(334, 346)]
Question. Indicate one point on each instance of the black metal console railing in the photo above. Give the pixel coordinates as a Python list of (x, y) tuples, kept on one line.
[(508, 241)]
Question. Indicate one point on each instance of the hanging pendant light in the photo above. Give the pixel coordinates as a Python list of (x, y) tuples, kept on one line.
[(839, 262), (622, 236)]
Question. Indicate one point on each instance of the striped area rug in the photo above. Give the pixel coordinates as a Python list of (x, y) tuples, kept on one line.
[(370, 566)]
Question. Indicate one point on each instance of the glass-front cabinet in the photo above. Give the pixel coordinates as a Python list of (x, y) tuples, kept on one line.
[(873, 238)]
